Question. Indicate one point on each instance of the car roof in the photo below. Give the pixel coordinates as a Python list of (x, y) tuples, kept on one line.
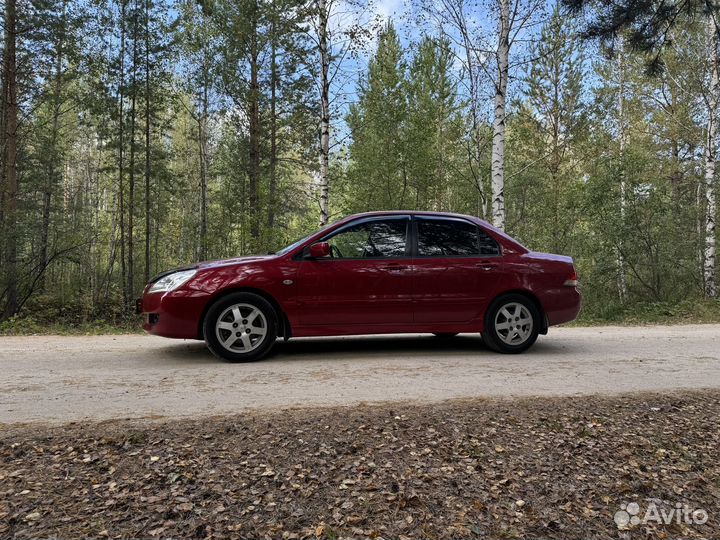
[(412, 213)]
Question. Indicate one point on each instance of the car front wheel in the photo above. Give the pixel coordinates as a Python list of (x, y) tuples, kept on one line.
[(512, 323), (240, 327)]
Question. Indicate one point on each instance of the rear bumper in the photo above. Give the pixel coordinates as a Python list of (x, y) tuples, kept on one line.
[(175, 314), (562, 305)]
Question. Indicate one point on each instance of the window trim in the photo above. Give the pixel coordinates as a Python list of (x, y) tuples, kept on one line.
[(361, 221), (416, 235)]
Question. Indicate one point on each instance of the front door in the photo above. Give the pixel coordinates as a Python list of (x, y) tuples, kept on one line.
[(457, 267), (365, 281)]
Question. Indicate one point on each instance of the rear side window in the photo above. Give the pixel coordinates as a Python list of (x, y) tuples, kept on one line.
[(453, 238), (370, 240)]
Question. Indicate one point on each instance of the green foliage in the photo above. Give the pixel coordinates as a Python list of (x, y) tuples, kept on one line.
[(212, 111), (548, 142), (687, 311), (407, 129), (650, 26), (46, 314), (378, 154), (434, 128)]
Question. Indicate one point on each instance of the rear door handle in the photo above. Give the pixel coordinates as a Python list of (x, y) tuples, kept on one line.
[(486, 266)]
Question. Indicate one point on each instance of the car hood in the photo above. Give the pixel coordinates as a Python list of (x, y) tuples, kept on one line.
[(207, 265), (233, 261)]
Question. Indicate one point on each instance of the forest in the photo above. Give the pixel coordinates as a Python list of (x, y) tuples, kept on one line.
[(140, 135)]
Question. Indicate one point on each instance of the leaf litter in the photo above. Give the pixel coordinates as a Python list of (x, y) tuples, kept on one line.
[(526, 468)]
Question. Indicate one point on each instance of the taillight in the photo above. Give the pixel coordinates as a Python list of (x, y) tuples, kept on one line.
[(572, 279)]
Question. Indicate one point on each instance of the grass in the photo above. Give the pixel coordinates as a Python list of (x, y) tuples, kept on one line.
[(689, 311), (30, 326)]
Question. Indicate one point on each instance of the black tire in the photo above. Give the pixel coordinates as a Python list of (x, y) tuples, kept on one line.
[(261, 345), (492, 337), (445, 335)]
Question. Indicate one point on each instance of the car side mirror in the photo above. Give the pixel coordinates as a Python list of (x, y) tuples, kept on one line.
[(319, 250)]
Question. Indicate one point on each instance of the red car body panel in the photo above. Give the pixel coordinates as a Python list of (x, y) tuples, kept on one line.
[(327, 297)]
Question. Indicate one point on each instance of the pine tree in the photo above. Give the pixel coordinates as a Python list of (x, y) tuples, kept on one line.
[(9, 161), (647, 26), (556, 124), (378, 162), (434, 127)]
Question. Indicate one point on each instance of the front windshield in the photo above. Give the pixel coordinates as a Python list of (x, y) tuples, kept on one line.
[(297, 243), (288, 249)]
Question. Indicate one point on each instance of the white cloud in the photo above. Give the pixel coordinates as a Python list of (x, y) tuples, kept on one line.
[(388, 9)]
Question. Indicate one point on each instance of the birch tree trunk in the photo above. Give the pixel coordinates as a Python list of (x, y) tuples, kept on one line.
[(622, 136), (323, 40), (255, 134), (203, 148), (273, 122), (710, 159), (498, 144), (10, 109)]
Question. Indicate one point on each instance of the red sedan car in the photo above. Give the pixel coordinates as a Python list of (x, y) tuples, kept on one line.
[(372, 273)]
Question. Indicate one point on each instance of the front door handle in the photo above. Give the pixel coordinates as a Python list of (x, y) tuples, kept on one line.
[(486, 266), (395, 267)]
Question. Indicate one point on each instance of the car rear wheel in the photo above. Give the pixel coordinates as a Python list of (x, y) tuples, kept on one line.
[(240, 327), (512, 323)]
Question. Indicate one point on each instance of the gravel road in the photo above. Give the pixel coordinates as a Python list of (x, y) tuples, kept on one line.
[(61, 379)]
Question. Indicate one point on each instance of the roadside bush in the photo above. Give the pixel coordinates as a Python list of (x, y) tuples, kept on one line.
[(48, 314)]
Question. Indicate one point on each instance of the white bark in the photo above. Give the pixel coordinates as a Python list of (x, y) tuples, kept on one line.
[(710, 158), (498, 143), (323, 17), (622, 136)]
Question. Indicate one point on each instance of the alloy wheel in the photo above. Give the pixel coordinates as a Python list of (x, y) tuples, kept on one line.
[(241, 328), (513, 324)]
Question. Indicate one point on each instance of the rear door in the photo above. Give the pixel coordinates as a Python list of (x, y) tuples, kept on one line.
[(367, 279), (456, 270)]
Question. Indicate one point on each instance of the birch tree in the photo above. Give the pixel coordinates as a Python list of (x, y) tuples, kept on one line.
[(515, 17), (622, 140), (338, 33), (712, 96), (498, 140), (323, 17)]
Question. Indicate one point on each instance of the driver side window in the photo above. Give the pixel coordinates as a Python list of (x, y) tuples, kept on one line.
[(370, 240)]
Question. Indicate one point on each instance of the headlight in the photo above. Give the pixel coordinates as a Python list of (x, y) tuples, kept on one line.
[(172, 281)]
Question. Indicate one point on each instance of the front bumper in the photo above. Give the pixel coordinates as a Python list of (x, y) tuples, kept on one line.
[(174, 314)]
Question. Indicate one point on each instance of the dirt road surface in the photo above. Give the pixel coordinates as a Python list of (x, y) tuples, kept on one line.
[(60, 379)]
